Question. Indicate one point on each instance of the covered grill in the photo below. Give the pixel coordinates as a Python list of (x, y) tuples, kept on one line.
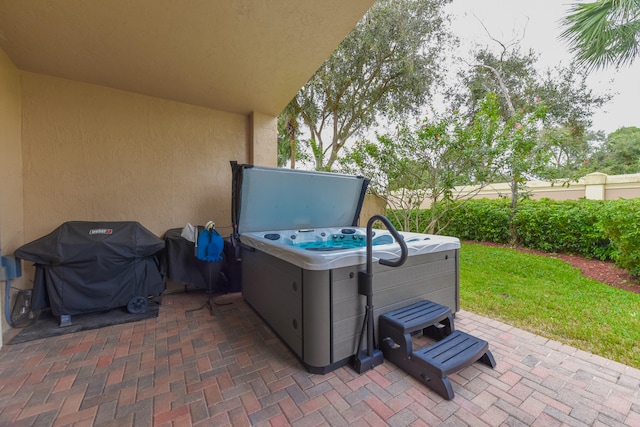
[(92, 266)]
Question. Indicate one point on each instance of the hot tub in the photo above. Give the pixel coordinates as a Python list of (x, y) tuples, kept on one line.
[(302, 279)]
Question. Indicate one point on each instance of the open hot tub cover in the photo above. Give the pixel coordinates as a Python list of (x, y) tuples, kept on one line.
[(87, 266)]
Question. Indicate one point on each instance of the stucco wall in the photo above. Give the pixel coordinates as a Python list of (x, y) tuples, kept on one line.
[(93, 153), (11, 221), (594, 186), (11, 226), (263, 147), (372, 205)]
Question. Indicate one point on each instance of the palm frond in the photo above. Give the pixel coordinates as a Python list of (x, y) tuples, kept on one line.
[(603, 33)]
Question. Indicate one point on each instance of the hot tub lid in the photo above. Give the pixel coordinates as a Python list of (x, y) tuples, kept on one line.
[(283, 199)]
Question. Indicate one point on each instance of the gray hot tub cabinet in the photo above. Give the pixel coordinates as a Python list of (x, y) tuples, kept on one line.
[(318, 314)]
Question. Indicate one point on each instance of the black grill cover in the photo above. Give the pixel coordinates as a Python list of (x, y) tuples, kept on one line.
[(91, 266)]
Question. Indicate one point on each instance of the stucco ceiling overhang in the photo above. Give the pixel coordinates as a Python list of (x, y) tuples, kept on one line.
[(230, 55)]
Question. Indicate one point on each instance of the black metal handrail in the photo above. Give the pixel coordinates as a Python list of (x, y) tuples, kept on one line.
[(373, 356), (403, 246)]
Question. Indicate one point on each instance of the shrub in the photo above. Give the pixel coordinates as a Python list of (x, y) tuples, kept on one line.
[(481, 220), (569, 226), (478, 220), (591, 228), (620, 223)]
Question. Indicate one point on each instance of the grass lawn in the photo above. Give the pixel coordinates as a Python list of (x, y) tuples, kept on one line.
[(550, 298)]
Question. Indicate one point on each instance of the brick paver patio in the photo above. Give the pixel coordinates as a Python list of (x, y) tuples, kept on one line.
[(190, 368)]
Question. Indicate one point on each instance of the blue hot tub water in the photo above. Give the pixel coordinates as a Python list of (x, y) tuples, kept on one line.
[(348, 239), (343, 241)]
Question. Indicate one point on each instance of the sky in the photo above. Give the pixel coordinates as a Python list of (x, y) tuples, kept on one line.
[(506, 19)]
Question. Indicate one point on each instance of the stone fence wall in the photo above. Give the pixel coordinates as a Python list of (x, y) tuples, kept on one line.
[(595, 186)]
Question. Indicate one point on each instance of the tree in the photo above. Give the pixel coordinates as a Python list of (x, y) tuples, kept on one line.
[(569, 103), (509, 73), (569, 100), (386, 65), (524, 153), (512, 77), (427, 161), (571, 153), (604, 33), (620, 154), (288, 133), (570, 106)]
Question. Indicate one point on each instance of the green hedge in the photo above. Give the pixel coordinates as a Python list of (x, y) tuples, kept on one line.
[(591, 228), (480, 220), (620, 223), (570, 226)]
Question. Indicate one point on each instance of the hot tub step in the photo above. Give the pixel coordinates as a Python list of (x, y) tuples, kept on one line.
[(432, 364), (433, 319), (452, 354)]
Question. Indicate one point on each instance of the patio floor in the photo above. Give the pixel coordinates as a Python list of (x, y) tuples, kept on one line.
[(190, 368)]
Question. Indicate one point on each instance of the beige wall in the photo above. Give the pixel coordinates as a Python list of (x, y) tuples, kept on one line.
[(263, 145), (372, 205), (11, 225), (93, 153), (11, 220), (594, 186)]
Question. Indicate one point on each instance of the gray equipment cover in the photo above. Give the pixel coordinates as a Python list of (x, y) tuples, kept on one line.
[(91, 266)]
